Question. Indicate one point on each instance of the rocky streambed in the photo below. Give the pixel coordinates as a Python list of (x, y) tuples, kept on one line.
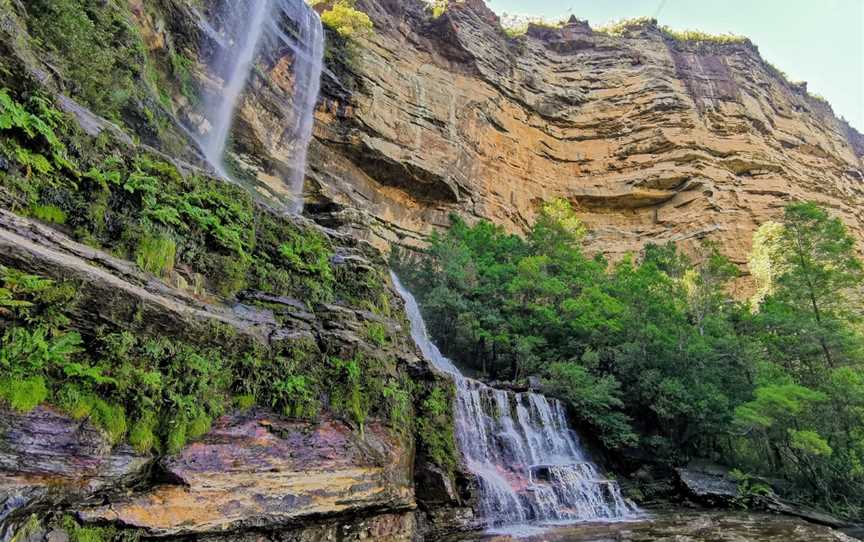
[(690, 526)]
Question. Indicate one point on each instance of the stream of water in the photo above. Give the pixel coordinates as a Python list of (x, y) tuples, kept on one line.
[(254, 27), (530, 465)]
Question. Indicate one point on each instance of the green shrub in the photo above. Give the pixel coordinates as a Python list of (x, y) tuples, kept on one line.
[(347, 21)]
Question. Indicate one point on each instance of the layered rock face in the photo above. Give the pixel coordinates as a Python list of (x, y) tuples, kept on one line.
[(257, 474), (654, 139)]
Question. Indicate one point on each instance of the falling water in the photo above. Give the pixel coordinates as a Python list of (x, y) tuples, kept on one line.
[(528, 461), (240, 59), (255, 26)]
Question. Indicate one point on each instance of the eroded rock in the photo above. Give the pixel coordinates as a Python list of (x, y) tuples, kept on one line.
[(258, 470), (48, 460)]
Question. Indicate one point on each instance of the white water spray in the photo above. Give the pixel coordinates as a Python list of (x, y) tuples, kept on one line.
[(528, 461), (255, 28)]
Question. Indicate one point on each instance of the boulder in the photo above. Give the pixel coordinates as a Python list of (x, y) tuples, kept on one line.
[(708, 484)]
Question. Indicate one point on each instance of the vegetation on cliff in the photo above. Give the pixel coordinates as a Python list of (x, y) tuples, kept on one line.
[(207, 237), (653, 352)]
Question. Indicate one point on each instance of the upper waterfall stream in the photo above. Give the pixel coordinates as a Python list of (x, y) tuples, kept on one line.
[(255, 27), (529, 463)]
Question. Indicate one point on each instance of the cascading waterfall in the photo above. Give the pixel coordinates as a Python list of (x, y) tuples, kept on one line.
[(255, 25), (528, 460)]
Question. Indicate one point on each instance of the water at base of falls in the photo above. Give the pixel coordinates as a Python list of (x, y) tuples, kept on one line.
[(253, 27), (529, 463)]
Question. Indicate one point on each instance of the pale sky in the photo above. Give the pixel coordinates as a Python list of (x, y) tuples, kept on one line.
[(818, 41)]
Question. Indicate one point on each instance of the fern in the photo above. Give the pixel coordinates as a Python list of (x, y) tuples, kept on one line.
[(15, 117)]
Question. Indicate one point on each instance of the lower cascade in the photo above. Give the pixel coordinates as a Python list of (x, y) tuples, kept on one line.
[(528, 461)]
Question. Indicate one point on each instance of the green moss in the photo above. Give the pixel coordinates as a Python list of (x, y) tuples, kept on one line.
[(49, 213), (156, 255), (435, 427), (24, 395), (245, 401), (350, 397), (111, 418), (95, 45), (142, 436), (79, 533), (377, 333), (30, 529), (199, 426), (176, 437), (181, 67), (398, 396)]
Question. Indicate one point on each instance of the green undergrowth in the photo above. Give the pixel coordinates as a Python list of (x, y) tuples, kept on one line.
[(99, 56), (435, 432), (81, 533), (140, 207), (158, 393)]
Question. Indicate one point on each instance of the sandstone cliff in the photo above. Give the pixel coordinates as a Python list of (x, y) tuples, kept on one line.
[(655, 139)]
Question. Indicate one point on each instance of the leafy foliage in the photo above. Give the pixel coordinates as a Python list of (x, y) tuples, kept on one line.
[(141, 207), (157, 392), (93, 43), (346, 20), (653, 352)]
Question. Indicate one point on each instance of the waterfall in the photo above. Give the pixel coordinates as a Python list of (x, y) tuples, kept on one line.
[(255, 28), (529, 463)]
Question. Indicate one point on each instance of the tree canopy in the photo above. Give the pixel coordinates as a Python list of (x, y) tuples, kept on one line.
[(652, 351)]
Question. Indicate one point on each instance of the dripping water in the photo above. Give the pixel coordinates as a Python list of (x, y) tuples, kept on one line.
[(254, 28), (529, 463)]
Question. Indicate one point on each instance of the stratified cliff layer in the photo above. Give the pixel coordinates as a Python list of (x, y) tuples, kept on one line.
[(655, 139)]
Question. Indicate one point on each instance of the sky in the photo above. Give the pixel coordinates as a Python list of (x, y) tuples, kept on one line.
[(818, 41)]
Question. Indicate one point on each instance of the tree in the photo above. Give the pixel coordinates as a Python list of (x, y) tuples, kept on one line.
[(815, 275)]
